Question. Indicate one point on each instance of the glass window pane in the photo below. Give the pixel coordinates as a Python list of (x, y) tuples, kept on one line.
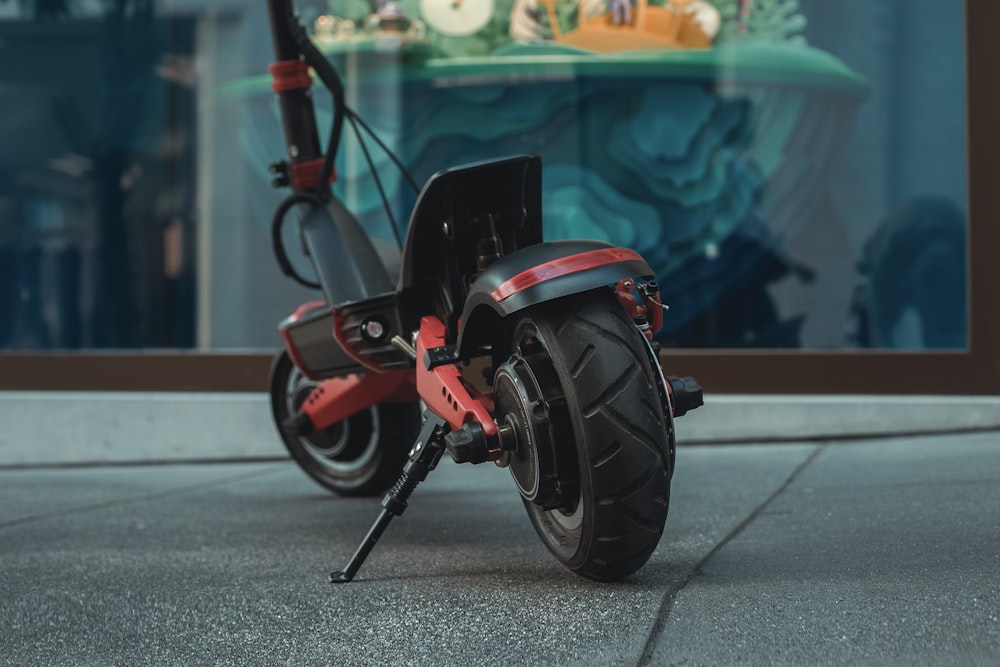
[(97, 176), (796, 181)]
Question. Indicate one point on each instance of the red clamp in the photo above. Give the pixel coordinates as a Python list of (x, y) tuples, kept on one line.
[(305, 175), (289, 75)]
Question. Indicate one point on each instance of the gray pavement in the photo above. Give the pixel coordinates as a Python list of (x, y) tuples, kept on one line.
[(868, 552)]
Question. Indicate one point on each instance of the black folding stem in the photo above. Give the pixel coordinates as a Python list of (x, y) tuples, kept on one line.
[(298, 117)]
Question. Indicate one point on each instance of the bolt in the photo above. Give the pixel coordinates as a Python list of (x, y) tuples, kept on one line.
[(416, 448), (374, 329)]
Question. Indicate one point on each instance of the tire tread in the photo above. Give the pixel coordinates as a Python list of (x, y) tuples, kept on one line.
[(607, 376)]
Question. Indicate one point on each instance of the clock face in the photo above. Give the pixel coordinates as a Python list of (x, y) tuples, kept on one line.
[(457, 17)]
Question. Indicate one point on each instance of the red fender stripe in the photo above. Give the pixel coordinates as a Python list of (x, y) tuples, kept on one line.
[(564, 266)]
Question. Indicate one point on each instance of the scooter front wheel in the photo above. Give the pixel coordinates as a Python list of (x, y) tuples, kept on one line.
[(592, 459), (360, 456)]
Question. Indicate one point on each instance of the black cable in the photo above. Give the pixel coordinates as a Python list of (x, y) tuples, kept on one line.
[(277, 222), (352, 117), (392, 156), (328, 74), (323, 184)]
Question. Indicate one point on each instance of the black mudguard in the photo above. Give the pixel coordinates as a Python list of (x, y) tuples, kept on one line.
[(537, 274)]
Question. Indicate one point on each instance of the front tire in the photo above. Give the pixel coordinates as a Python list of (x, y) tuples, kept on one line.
[(594, 463), (360, 456)]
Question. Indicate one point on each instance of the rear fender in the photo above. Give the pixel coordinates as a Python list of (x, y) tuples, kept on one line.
[(537, 274)]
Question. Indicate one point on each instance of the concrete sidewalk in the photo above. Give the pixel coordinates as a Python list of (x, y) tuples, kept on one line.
[(870, 552), (107, 427)]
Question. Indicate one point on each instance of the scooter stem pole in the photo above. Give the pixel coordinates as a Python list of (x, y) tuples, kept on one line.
[(298, 116)]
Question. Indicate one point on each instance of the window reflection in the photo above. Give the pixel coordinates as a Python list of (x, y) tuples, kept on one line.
[(805, 188), (912, 288), (97, 177)]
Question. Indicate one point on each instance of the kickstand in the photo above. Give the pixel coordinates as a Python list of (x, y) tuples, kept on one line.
[(424, 457)]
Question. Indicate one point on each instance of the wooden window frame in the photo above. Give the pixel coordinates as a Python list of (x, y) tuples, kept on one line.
[(973, 371)]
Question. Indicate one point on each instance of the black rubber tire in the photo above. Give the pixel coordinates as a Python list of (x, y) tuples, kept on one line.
[(620, 430), (361, 456)]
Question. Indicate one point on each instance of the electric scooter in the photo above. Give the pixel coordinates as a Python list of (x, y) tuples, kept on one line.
[(478, 339)]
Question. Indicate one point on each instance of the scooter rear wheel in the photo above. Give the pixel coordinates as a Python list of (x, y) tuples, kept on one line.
[(360, 456), (593, 460)]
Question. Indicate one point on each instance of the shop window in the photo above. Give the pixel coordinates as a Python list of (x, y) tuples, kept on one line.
[(795, 170)]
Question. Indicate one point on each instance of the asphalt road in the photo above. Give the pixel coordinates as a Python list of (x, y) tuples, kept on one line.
[(870, 552)]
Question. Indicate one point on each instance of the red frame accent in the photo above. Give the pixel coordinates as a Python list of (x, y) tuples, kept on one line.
[(337, 399), (289, 75), (564, 266), (293, 351), (650, 308), (442, 388), (654, 312)]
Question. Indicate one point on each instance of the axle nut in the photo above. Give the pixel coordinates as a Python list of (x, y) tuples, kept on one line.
[(468, 444), (687, 394)]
